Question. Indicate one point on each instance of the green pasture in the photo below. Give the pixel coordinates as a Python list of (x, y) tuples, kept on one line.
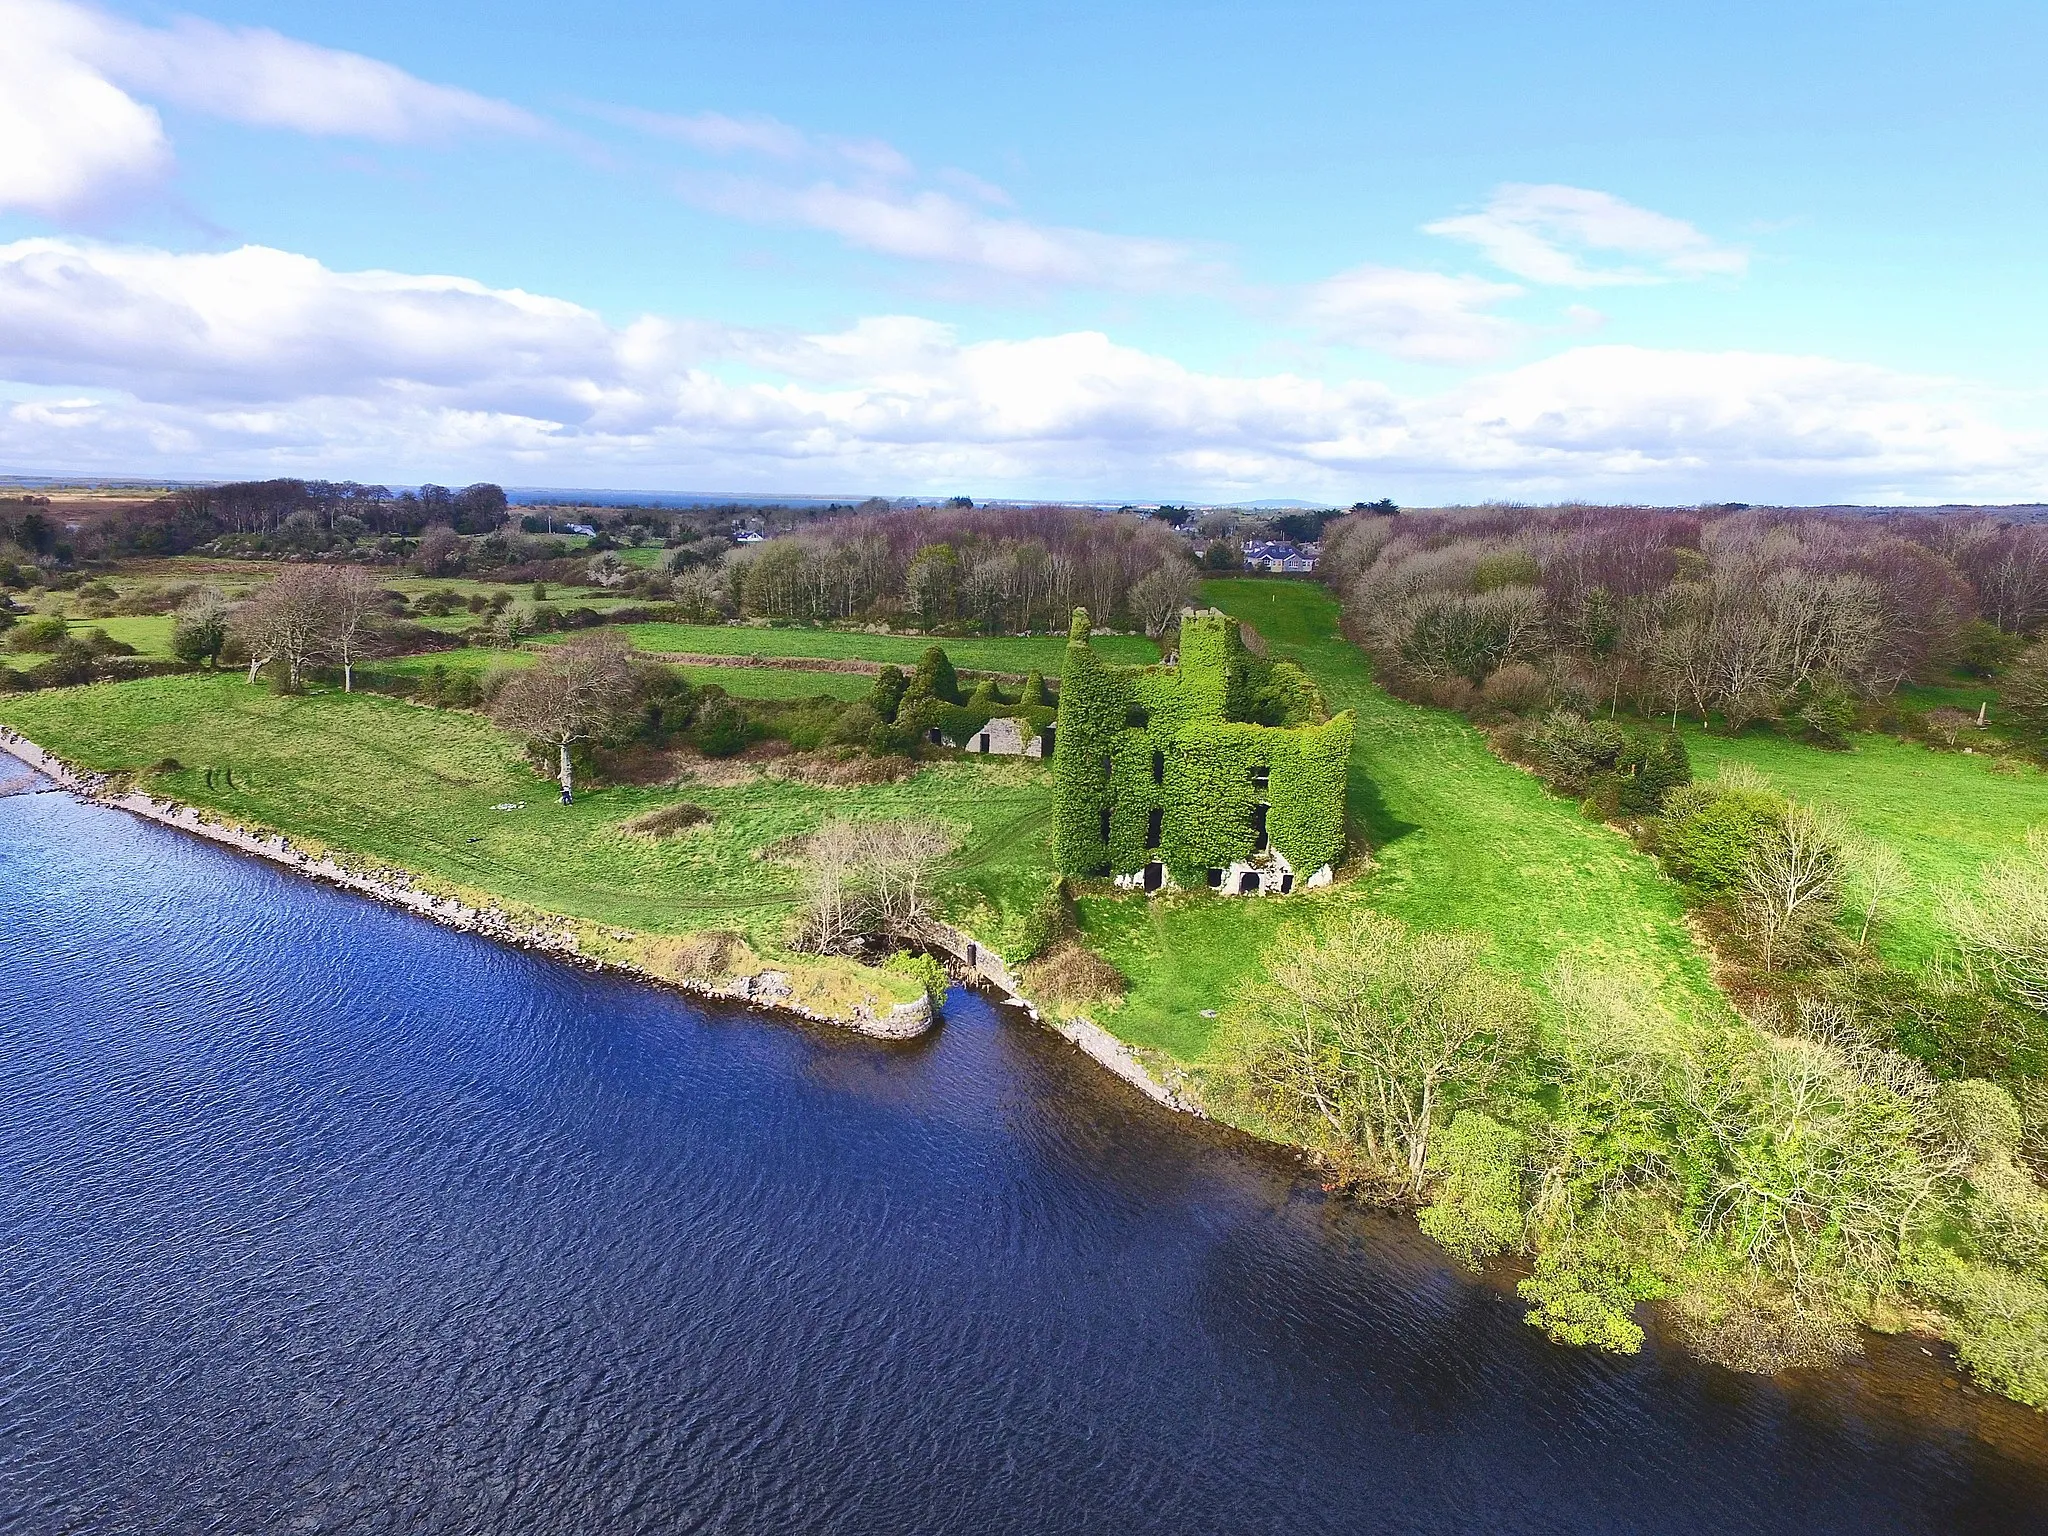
[(1462, 841), (1946, 814), (420, 788), (1027, 653), (150, 634), (740, 682)]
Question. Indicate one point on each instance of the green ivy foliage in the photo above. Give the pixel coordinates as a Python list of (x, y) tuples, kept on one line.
[(1187, 742)]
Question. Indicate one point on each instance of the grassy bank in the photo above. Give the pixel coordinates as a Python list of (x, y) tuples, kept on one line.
[(422, 789), (1463, 841), (1946, 814)]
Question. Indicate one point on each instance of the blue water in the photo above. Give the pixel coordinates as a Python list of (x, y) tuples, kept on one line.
[(315, 1217)]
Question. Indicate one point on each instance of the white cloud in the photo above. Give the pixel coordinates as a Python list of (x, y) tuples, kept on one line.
[(67, 135), (1426, 317), (933, 226), (1546, 234), (872, 197), (72, 135), (258, 361)]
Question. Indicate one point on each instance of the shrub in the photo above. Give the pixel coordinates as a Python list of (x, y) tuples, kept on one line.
[(1709, 833), (1998, 1319), (1827, 712), (1585, 1291), (1517, 688), (1477, 1209), (666, 821), (923, 969), (721, 726), (1982, 649), (1070, 975), (45, 634)]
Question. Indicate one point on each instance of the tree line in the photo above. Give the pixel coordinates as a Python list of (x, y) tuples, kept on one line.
[(960, 570), (1743, 614)]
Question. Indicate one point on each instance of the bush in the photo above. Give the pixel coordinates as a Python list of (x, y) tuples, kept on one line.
[(1827, 713), (923, 969), (1477, 1210), (1584, 1292), (1998, 1319), (1516, 688), (721, 726), (1069, 975), (1709, 833), (45, 634)]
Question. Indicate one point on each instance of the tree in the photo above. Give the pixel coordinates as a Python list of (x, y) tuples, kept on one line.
[(1369, 1036), (440, 551), (2005, 927), (353, 600), (1874, 878), (201, 628), (285, 620), (929, 584), (581, 690), (1792, 880), (869, 877), (1157, 599)]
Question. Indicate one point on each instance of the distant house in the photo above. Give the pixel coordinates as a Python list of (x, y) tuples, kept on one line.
[(583, 528), (1279, 555), (747, 536)]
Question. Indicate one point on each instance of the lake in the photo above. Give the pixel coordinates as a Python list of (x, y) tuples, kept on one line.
[(316, 1217)]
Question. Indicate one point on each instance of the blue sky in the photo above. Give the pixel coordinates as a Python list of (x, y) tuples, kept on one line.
[(1329, 251)]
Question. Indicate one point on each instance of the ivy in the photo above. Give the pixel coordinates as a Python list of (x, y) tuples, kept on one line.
[(1171, 763)]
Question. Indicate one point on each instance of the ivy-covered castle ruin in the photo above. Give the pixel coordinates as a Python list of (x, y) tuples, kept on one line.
[(1218, 768)]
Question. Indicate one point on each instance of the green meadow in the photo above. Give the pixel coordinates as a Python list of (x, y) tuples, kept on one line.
[(445, 794), (1460, 841), (1027, 653), (1946, 814)]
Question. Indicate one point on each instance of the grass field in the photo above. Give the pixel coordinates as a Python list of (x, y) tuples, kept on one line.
[(1944, 813), (420, 788), (740, 682), (1463, 841), (1043, 653), (149, 634)]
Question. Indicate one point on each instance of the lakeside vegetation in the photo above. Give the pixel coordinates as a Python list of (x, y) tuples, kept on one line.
[(1746, 1019)]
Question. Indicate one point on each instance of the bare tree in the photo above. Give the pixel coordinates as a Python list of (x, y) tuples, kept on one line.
[(577, 691), (1874, 879), (2005, 927), (353, 600), (1793, 880), (285, 620), (1157, 598), (869, 877)]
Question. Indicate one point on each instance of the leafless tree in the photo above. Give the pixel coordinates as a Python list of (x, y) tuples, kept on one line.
[(285, 620), (578, 691), (1793, 880), (1157, 599), (352, 603)]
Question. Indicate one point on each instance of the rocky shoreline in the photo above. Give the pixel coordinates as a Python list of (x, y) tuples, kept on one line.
[(767, 989)]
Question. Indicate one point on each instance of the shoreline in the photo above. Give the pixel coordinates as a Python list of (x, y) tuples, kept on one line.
[(767, 989)]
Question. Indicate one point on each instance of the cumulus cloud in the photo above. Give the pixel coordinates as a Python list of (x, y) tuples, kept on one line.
[(1426, 317), (1549, 234), (259, 361), (72, 134)]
